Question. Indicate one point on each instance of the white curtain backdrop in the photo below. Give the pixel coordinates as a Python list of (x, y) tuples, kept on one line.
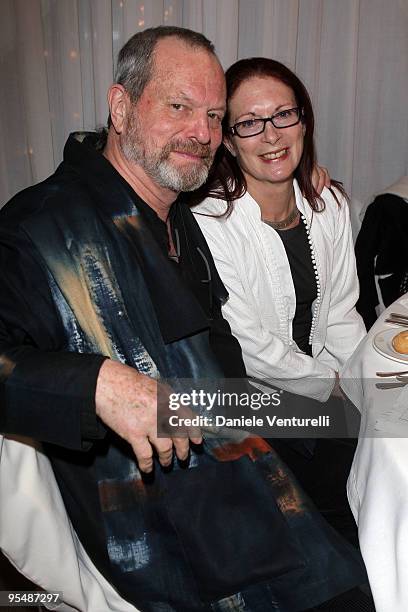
[(57, 61)]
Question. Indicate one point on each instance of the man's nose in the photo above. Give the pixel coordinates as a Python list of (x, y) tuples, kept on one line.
[(200, 129)]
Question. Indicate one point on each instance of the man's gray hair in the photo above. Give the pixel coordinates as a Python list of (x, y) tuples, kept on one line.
[(136, 58)]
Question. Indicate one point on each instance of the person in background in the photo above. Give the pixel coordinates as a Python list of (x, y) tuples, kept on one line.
[(285, 255), (382, 251)]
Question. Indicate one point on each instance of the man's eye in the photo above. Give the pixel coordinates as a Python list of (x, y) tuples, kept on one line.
[(215, 118), (177, 106)]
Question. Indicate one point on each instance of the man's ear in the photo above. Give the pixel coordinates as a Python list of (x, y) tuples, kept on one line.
[(119, 105), (227, 142)]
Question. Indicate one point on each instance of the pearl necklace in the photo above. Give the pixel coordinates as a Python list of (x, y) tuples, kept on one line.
[(318, 299)]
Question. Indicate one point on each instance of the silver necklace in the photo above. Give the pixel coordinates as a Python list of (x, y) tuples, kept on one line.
[(278, 225)]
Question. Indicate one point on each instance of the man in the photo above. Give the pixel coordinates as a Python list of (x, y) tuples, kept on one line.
[(93, 312)]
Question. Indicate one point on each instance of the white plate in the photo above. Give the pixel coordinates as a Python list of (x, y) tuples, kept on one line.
[(382, 344)]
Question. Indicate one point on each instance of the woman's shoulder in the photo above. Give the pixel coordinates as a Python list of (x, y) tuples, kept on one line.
[(220, 222), (335, 204), (219, 210), (334, 219), (331, 200), (334, 197), (211, 207)]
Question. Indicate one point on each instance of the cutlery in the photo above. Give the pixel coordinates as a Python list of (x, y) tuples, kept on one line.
[(384, 374), (398, 315), (401, 322), (390, 385)]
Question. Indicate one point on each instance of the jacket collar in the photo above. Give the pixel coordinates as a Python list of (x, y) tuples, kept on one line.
[(106, 184)]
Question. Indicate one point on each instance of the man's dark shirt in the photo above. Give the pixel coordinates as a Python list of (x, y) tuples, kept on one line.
[(196, 271)]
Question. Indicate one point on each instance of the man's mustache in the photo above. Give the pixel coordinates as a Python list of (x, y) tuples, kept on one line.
[(189, 146)]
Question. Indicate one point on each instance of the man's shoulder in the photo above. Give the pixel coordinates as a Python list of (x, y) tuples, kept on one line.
[(62, 191)]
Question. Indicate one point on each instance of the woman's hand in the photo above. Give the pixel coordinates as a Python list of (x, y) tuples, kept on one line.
[(320, 178), (337, 391)]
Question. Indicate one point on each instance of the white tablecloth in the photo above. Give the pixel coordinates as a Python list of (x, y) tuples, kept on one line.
[(378, 481), (38, 538)]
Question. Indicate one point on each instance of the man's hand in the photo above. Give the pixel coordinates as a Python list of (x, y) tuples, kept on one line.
[(320, 178), (126, 401)]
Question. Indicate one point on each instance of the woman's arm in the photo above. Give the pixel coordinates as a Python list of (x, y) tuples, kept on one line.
[(345, 327)]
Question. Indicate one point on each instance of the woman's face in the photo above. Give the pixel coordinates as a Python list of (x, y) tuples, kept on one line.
[(273, 156)]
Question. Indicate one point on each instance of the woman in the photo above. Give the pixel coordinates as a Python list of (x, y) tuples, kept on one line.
[(286, 257)]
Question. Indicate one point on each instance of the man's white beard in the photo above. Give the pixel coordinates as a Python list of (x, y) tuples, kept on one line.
[(155, 162), (178, 179)]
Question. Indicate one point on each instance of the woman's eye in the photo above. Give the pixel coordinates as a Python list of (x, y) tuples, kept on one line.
[(248, 123), (285, 114)]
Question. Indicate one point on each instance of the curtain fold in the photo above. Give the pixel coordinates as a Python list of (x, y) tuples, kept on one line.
[(57, 60)]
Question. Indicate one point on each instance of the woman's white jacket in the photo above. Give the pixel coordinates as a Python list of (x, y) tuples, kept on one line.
[(252, 262)]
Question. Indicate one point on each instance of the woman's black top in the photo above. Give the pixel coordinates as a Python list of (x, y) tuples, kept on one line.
[(298, 252)]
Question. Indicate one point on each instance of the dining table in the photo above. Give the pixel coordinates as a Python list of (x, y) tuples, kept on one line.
[(378, 482)]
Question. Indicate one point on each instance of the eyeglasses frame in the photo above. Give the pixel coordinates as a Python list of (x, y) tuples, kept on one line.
[(232, 130)]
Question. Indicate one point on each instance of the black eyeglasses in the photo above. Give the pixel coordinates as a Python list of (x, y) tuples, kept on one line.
[(252, 127)]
